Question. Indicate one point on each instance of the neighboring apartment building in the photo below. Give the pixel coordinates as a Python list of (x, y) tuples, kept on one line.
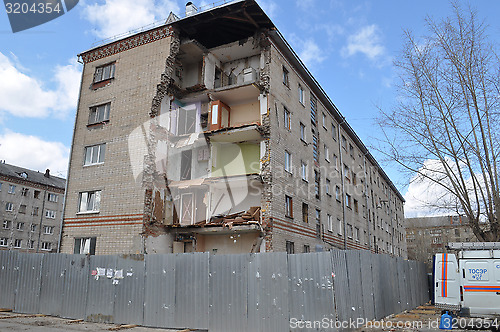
[(31, 205), (427, 236), (208, 133)]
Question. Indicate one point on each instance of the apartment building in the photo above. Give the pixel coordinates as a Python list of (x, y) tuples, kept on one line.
[(207, 133), (31, 205), (426, 236)]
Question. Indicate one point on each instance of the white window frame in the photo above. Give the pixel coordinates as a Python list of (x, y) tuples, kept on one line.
[(330, 223), (94, 154), (48, 230), (327, 187), (303, 170), (337, 193), (9, 207), (16, 241), (46, 246), (105, 72), (52, 197), (20, 226), (327, 153), (31, 244), (89, 201), (301, 94), (50, 214), (287, 116), (33, 228), (12, 189), (303, 132), (323, 119), (4, 242), (99, 113), (288, 162)]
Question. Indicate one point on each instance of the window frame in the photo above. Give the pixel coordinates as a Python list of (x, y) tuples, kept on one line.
[(286, 77), (45, 244), (288, 162), (77, 249), (88, 153), (301, 95), (287, 118), (7, 204), (303, 132), (288, 206), (91, 196), (50, 214), (100, 71)]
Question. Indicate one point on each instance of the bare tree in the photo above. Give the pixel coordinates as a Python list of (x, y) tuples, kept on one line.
[(445, 127)]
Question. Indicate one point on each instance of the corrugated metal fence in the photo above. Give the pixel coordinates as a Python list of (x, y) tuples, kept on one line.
[(248, 292)]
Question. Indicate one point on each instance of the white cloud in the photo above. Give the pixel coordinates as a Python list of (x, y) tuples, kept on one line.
[(305, 4), (311, 54), (35, 153), (366, 41), (114, 17), (26, 96)]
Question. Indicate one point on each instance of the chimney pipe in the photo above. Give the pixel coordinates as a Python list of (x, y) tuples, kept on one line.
[(47, 173), (191, 9)]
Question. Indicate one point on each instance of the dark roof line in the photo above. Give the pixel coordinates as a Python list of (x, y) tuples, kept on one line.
[(15, 172)]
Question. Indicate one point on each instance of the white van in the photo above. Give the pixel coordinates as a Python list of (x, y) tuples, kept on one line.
[(468, 282)]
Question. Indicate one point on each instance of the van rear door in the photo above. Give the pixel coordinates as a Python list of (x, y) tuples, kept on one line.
[(481, 286), (446, 281)]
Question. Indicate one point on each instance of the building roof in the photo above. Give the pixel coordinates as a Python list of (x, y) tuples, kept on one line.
[(439, 221), (24, 174)]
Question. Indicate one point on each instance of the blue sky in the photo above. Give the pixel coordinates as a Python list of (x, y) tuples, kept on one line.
[(349, 47)]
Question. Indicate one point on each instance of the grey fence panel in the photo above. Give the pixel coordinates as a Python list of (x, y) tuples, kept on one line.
[(268, 292), (341, 286), (395, 303), (129, 290), (191, 291), (355, 288), (52, 287), (159, 301), (403, 300), (74, 299), (228, 293), (425, 283), (8, 278), (101, 293), (378, 275), (367, 284), (28, 283), (311, 289)]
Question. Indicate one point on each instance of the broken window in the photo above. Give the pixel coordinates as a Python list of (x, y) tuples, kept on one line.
[(46, 246), (35, 211), (105, 72), (36, 194), (218, 78), (89, 201), (186, 162), (290, 247), (305, 212), (187, 209), (93, 155), (219, 115), (288, 206), (186, 123), (287, 118), (85, 246), (22, 209), (51, 214), (99, 113), (52, 198), (286, 80)]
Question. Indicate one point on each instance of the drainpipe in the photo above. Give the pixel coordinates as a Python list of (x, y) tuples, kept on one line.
[(342, 178), (366, 204)]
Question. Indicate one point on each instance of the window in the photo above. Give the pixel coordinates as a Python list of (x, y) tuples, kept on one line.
[(4, 242), (302, 132), (335, 161), (99, 114), (17, 243), (33, 227), (51, 214), (351, 150), (337, 193), (287, 118), (22, 209), (48, 230), (9, 207), (46, 246), (105, 72), (327, 187), (286, 80), (315, 148), (89, 201), (305, 212), (85, 246), (346, 173), (323, 120), (288, 206), (303, 171), (318, 223), (330, 223), (12, 189), (186, 163), (344, 142), (24, 191), (6, 224), (334, 132), (349, 231), (36, 194), (314, 109), (356, 233), (341, 226), (31, 244), (288, 162), (290, 247), (306, 248), (301, 95), (52, 198), (94, 154), (356, 208), (35, 211), (327, 153), (354, 179), (317, 184), (348, 200), (20, 226)]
